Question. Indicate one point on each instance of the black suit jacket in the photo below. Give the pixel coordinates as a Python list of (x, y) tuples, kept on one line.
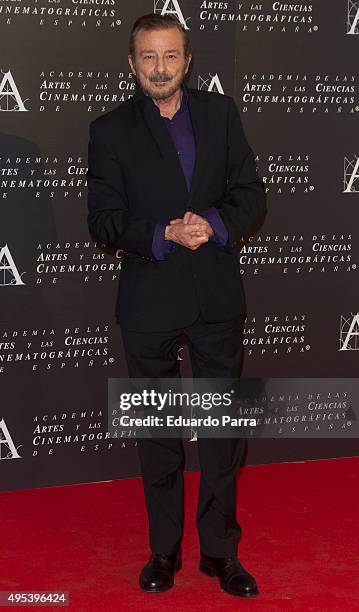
[(135, 179)]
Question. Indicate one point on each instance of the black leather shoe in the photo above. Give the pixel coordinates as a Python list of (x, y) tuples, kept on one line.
[(233, 578), (158, 573)]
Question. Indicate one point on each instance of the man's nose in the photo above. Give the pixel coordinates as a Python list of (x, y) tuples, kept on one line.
[(161, 66)]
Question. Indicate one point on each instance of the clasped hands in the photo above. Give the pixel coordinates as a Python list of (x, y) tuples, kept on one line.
[(191, 231)]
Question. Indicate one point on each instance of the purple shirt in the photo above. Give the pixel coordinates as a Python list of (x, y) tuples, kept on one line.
[(181, 130)]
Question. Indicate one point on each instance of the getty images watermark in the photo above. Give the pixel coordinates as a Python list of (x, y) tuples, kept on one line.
[(232, 407), (168, 409)]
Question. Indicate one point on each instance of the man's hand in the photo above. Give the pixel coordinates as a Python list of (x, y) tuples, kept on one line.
[(192, 217), (191, 231)]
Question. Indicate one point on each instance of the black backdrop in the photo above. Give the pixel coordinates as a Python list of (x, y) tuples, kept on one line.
[(292, 69)]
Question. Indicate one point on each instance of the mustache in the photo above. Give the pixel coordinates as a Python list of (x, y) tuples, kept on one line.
[(160, 77)]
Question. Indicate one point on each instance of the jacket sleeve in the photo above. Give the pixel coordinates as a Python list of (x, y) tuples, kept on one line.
[(161, 247), (109, 220), (245, 200), (220, 233)]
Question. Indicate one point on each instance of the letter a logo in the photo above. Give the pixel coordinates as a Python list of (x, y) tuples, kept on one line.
[(353, 17), (7, 447), (349, 339), (170, 7), (10, 99), (211, 84), (351, 175), (10, 274)]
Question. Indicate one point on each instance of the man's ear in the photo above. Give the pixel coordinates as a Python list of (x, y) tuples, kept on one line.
[(188, 62), (131, 64)]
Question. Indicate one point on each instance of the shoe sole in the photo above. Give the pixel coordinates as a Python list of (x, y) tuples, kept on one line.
[(212, 573), (178, 566)]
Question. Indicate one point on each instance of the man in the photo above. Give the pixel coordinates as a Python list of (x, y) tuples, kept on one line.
[(173, 183)]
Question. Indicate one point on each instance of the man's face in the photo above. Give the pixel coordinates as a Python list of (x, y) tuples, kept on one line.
[(159, 66)]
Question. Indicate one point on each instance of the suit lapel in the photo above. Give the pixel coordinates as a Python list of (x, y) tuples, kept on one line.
[(199, 115)]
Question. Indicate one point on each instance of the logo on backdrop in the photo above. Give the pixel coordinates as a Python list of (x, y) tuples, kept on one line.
[(7, 446), (9, 274), (353, 17), (351, 175), (10, 99), (179, 352), (170, 7), (211, 83), (349, 333)]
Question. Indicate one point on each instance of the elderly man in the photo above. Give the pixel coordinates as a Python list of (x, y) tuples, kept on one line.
[(173, 183)]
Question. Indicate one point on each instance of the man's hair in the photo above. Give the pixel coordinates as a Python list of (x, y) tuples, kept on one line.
[(155, 21)]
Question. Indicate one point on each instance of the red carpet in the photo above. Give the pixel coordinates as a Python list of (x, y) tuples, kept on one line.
[(300, 541)]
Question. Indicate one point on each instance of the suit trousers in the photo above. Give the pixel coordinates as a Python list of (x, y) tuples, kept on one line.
[(215, 351)]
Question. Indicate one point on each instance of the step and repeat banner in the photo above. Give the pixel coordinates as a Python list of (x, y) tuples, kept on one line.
[(292, 68)]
